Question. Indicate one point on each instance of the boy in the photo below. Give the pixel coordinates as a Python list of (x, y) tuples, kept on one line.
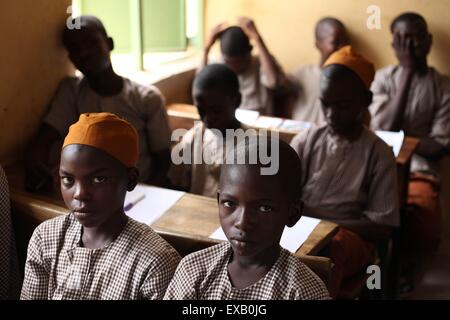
[(101, 90), (415, 98), (9, 268), (349, 174), (216, 94), (253, 210), (258, 76), (331, 35), (96, 251)]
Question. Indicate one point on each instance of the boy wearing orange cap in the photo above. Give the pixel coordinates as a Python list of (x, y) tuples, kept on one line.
[(96, 251), (415, 98), (101, 90), (349, 174)]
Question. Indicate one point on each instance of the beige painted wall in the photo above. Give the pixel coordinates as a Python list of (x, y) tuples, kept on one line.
[(288, 26), (32, 62)]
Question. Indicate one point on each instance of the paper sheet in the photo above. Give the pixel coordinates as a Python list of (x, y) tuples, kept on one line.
[(247, 117), (268, 122), (294, 125), (155, 203), (291, 239), (393, 139)]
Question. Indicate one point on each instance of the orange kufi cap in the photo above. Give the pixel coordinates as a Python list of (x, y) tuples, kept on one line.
[(107, 132), (345, 56)]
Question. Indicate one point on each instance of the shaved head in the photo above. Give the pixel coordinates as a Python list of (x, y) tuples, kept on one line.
[(288, 177)]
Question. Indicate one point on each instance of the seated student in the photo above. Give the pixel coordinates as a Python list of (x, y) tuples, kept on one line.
[(9, 268), (349, 174), (331, 35), (258, 75), (96, 251), (253, 210), (415, 98), (101, 90), (216, 94)]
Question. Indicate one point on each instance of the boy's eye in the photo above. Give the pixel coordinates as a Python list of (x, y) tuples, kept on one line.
[(228, 204), (98, 180), (66, 180), (265, 209)]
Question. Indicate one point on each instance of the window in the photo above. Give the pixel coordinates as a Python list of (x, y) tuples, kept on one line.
[(148, 32)]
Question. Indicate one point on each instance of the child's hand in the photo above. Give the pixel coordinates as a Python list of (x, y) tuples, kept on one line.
[(249, 27), (215, 34), (404, 51)]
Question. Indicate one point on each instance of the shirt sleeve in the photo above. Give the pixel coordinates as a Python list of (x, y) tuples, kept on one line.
[(181, 287), (298, 143), (35, 284), (440, 130), (382, 202), (279, 75), (159, 276), (63, 110), (180, 172), (380, 92), (157, 121)]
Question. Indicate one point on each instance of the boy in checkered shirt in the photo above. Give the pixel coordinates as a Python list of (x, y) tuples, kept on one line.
[(253, 210)]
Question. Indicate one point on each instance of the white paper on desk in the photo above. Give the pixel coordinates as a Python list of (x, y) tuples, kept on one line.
[(156, 202), (393, 139), (268, 122), (247, 117), (291, 239), (294, 125)]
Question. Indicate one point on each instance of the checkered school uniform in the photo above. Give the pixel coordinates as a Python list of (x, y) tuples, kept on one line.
[(9, 270), (204, 275), (138, 264)]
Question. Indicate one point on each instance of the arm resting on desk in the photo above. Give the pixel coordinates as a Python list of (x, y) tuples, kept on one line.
[(363, 227)]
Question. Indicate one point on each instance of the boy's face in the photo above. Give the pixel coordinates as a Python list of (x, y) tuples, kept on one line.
[(88, 50), (331, 39), (238, 64), (93, 184), (418, 33), (253, 209), (343, 104), (216, 107)]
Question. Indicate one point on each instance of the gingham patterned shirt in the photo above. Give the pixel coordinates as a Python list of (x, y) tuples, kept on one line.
[(9, 270), (203, 275), (138, 264)]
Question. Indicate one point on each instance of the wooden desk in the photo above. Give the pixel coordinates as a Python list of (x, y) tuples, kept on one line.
[(197, 217), (184, 115)]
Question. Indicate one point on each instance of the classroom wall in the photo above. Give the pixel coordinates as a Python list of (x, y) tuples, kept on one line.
[(32, 62), (288, 26)]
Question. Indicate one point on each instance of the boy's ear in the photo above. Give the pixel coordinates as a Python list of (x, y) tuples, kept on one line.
[(295, 213), (110, 43), (133, 177)]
